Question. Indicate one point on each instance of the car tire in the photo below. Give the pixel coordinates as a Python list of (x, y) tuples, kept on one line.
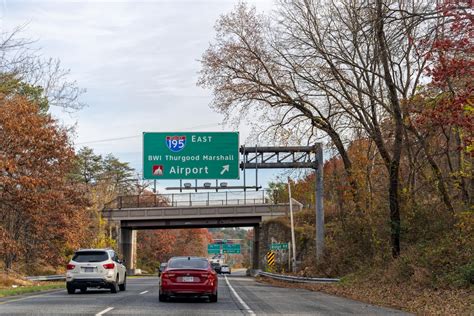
[(114, 287), (123, 286), (70, 289), (213, 298), (162, 297), (83, 290)]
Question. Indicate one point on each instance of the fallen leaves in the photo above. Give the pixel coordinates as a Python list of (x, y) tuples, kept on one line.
[(421, 301)]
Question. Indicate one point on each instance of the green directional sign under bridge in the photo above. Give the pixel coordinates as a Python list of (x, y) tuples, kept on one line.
[(231, 248), (199, 155), (213, 249)]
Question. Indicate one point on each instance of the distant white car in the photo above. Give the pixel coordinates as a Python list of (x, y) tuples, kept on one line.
[(225, 269), (98, 268)]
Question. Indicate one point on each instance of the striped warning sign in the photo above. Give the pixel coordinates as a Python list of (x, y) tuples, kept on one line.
[(271, 258)]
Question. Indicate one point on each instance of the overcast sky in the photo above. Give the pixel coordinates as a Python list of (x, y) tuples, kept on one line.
[(137, 60)]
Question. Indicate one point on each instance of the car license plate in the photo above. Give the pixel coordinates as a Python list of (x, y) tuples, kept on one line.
[(88, 269), (188, 279)]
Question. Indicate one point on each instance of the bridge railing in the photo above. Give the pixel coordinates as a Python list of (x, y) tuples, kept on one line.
[(190, 199)]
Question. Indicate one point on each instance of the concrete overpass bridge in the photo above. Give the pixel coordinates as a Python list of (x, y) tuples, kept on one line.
[(191, 210)]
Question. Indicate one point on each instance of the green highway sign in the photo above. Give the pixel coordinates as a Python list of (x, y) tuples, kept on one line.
[(185, 155), (231, 248), (279, 246), (213, 249)]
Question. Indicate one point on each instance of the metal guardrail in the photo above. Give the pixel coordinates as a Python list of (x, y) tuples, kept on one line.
[(58, 277), (290, 278)]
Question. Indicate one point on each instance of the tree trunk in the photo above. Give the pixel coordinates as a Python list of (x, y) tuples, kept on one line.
[(394, 209), (394, 165), (347, 169)]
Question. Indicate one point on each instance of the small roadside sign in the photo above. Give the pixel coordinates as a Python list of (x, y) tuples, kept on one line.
[(275, 246), (270, 258)]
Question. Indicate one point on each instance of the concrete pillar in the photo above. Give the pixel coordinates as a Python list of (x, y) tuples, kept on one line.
[(256, 247), (128, 248)]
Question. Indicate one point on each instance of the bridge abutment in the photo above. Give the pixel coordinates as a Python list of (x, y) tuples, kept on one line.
[(128, 248), (256, 248)]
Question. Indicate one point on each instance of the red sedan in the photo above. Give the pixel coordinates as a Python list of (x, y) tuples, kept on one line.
[(188, 276)]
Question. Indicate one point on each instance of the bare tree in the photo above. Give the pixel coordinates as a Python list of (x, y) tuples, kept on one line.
[(249, 74), (19, 59), (343, 67), (365, 63)]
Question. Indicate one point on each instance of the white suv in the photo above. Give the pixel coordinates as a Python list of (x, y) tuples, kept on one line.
[(99, 268)]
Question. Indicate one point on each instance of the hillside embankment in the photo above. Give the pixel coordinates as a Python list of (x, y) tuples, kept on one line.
[(430, 277)]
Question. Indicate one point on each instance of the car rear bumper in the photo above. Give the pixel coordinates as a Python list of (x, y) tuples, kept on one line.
[(175, 290), (89, 283)]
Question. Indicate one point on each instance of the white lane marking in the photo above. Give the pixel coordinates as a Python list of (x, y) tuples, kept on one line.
[(108, 309), (28, 297), (144, 292), (241, 301)]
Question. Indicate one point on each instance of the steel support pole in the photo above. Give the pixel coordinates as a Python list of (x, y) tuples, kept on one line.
[(319, 205)]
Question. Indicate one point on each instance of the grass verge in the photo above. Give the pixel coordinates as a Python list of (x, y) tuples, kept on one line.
[(31, 288), (421, 301)]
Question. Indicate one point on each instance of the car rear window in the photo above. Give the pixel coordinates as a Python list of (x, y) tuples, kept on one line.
[(185, 263), (90, 256)]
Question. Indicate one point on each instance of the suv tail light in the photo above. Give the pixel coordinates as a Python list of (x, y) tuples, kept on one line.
[(70, 266), (109, 266)]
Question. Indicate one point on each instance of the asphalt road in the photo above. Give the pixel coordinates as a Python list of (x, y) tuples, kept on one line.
[(238, 295)]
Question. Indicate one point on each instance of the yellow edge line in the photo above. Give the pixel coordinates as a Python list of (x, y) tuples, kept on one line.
[(32, 296)]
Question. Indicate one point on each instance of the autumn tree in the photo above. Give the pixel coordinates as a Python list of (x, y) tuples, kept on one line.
[(104, 179), (192, 242), (252, 77), (344, 68), (41, 210), (156, 246), (442, 112)]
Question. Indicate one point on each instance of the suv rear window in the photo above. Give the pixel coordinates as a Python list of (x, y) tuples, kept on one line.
[(200, 264), (90, 256)]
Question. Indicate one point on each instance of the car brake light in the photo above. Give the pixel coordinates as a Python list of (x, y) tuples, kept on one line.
[(70, 266), (109, 266), (167, 275)]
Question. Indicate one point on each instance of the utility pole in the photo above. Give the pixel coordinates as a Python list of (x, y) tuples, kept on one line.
[(292, 227), (319, 205)]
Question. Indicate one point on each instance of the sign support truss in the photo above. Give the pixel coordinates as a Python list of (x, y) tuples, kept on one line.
[(293, 157)]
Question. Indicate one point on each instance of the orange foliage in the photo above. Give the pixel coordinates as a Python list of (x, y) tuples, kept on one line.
[(156, 246), (41, 211)]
